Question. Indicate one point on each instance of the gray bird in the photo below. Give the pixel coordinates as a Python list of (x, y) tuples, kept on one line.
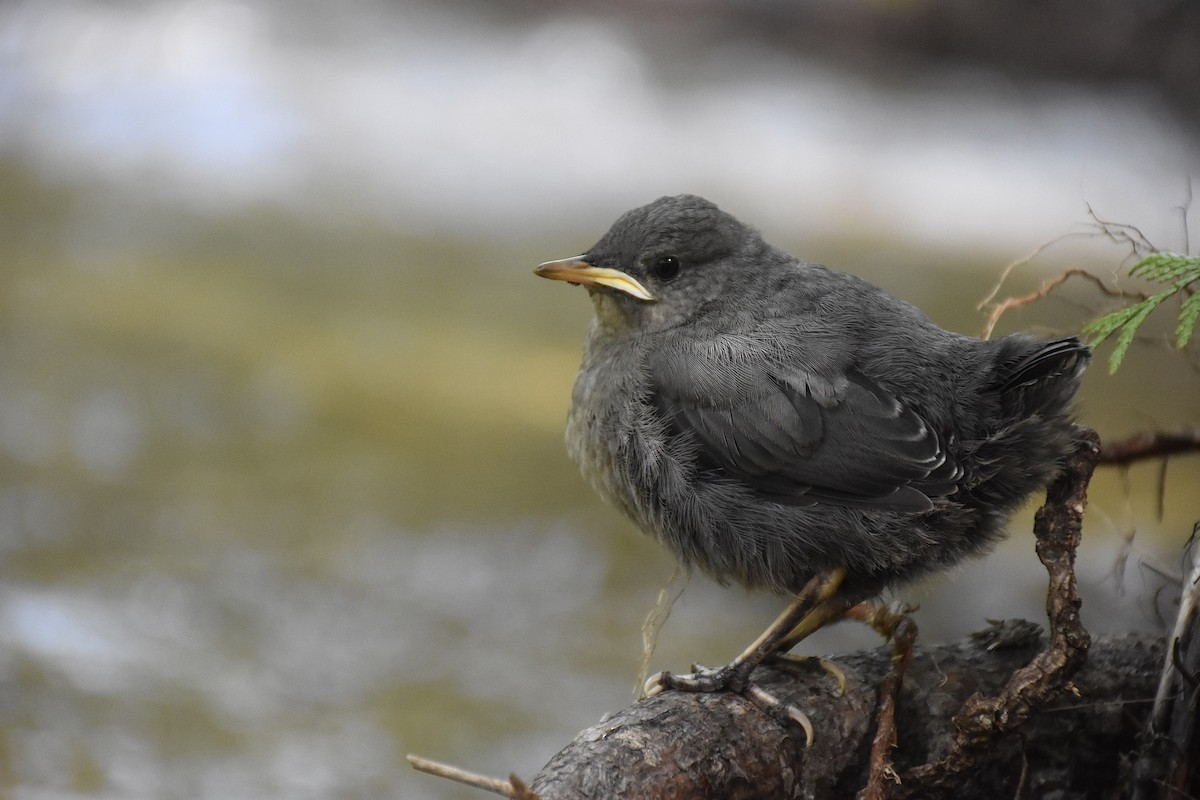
[(789, 427)]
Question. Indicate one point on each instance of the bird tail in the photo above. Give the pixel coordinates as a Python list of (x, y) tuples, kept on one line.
[(1041, 380)]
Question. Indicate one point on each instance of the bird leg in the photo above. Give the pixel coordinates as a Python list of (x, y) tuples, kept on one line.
[(883, 619), (816, 605), (829, 610)]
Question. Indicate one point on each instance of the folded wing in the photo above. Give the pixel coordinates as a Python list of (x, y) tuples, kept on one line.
[(801, 438)]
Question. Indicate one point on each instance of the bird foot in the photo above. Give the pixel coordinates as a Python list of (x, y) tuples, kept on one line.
[(792, 663), (701, 679), (730, 678)]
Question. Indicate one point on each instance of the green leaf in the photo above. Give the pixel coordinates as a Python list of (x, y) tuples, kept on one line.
[(1178, 270), (1101, 328), (1163, 267), (1129, 329), (1188, 315)]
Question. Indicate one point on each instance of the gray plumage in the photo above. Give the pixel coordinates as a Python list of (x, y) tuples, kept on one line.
[(768, 419)]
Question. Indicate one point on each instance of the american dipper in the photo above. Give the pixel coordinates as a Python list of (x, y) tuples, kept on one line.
[(786, 426)]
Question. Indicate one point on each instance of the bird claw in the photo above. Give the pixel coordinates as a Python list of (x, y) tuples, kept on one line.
[(772, 704), (789, 662), (654, 685), (700, 679), (727, 678)]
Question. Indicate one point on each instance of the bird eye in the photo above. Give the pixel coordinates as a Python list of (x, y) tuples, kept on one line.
[(666, 267)]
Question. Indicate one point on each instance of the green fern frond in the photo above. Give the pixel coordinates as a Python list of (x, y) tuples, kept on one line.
[(1163, 267), (1101, 328), (1180, 271), (1188, 315)]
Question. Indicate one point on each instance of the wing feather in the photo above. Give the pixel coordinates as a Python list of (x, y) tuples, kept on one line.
[(801, 438)]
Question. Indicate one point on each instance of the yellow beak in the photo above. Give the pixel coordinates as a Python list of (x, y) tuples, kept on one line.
[(576, 270)]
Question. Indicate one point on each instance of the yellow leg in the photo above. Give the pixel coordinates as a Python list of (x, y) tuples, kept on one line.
[(817, 604), (829, 610)]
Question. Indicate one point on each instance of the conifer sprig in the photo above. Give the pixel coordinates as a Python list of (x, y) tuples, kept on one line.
[(1181, 274)]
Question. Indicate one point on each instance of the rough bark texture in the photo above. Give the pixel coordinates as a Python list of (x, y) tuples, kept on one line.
[(957, 714), (999, 715), (681, 745)]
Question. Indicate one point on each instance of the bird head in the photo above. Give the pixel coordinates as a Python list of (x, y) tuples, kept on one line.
[(662, 264)]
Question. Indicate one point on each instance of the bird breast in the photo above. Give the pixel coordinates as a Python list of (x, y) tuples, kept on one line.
[(609, 436)]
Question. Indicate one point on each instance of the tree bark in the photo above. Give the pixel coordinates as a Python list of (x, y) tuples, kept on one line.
[(679, 745), (998, 715)]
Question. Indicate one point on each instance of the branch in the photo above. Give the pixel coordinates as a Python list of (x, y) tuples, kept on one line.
[(679, 745), (682, 745), (1023, 300), (686, 745), (1156, 444), (1164, 767), (513, 788), (983, 719)]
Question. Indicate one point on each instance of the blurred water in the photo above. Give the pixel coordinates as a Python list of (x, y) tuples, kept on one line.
[(484, 118), (282, 489)]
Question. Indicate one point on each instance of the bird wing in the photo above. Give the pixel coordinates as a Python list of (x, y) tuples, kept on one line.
[(800, 437)]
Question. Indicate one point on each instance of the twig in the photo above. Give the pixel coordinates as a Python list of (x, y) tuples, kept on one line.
[(658, 616), (1023, 300), (1022, 261), (1173, 729), (1122, 233), (896, 624), (1058, 527), (1183, 209), (1156, 444), (514, 787), (1118, 233)]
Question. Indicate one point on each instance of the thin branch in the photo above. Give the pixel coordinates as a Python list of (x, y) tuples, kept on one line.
[(658, 616), (1020, 262), (1172, 728), (1183, 209), (902, 630), (1009, 303), (1122, 233), (1155, 444), (982, 720), (514, 787)]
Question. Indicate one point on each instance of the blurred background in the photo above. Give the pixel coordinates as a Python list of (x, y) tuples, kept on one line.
[(282, 489)]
